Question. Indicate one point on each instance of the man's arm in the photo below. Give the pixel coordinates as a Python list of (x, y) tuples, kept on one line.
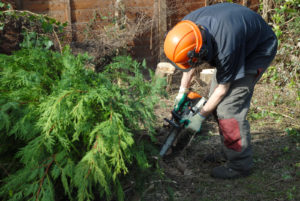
[(186, 78), (215, 98)]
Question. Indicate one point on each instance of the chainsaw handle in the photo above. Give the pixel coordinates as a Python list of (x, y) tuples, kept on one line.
[(175, 118), (172, 123), (175, 115)]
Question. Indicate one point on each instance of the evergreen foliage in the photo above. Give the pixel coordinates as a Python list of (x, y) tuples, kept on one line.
[(69, 127)]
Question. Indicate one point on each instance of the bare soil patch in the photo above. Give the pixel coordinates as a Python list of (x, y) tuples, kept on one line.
[(276, 176)]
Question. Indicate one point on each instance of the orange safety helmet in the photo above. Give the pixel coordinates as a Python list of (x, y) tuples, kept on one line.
[(183, 38)]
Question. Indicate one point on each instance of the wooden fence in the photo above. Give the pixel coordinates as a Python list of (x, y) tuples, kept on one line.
[(164, 13)]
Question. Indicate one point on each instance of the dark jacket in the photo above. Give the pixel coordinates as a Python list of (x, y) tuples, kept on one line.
[(238, 39)]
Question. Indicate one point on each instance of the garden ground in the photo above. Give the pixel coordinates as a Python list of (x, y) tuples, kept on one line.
[(275, 120)]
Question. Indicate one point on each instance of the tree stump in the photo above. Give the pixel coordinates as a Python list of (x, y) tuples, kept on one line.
[(165, 69), (206, 75)]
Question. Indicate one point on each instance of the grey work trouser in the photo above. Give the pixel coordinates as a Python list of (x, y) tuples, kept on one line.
[(233, 127)]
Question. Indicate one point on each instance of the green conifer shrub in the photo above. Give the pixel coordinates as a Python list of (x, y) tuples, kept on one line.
[(66, 129)]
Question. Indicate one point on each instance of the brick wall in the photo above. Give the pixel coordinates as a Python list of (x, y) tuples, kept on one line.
[(164, 13), (55, 8)]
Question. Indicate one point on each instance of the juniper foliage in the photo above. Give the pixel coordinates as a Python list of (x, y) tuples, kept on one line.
[(69, 127)]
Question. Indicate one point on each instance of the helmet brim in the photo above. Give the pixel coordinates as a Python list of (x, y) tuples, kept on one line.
[(181, 67)]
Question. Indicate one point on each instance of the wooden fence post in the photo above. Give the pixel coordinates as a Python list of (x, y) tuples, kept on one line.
[(69, 17), (162, 25)]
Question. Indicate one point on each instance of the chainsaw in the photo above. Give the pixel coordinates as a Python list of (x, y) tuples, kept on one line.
[(189, 106)]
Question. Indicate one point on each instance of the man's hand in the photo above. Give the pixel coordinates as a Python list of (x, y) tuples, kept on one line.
[(195, 122), (180, 97)]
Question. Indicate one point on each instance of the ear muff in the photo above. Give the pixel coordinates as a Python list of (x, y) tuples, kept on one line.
[(197, 59)]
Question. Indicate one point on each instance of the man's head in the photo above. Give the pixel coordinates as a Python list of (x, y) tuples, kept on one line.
[(183, 45)]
